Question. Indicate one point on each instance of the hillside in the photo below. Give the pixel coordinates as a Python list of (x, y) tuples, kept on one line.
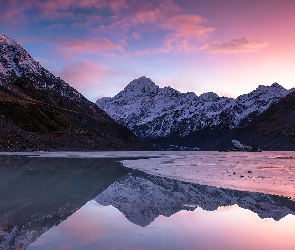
[(274, 129), (42, 112)]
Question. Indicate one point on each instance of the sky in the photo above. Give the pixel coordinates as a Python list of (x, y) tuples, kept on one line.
[(98, 46)]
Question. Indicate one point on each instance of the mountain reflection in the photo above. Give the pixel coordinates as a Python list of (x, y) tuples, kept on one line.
[(143, 197), (39, 193)]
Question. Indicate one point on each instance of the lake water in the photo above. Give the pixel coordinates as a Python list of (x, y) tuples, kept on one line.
[(147, 200)]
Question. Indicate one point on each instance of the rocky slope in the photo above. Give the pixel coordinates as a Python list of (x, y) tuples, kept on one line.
[(47, 113), (142, 198), (273, 129), (154, 112)]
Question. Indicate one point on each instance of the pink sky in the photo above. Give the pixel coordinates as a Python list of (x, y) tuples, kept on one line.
[(99, 46)]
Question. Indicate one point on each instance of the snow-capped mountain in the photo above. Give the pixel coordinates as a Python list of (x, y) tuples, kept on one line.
[(142, 198), (15, 62), (40, 111), (152, 112)]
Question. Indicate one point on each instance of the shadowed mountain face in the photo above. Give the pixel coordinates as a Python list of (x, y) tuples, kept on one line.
[(274, 129), (44, 112), (37, 193), (142, 198)]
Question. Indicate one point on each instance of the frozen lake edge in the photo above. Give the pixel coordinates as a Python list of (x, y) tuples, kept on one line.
[(270, 172)]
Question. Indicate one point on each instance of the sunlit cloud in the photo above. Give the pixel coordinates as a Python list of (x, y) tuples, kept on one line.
[(88, 77), (186, 33), (90, 45), (181, 32), (239, 45), (172, 29), (141, 35)]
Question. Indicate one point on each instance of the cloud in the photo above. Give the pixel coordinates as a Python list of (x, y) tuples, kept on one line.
[(172, 30), (53, 10), (240, 45), (181, 32), (133, 27), (136, 36), (186, 32), (88, 77), (90, 45)]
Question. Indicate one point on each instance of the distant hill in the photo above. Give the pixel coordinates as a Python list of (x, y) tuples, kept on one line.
[(39, 111)]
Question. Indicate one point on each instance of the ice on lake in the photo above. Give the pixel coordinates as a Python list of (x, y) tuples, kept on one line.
[(162, 200)]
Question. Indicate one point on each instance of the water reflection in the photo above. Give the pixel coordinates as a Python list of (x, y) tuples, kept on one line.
[(39, 193), (143, 197), (42, 204)]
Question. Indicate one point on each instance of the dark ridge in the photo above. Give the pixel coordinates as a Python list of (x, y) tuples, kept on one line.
[(42, 112), (273, 129)]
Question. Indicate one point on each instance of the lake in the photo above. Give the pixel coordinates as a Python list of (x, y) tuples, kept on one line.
[(147, 200)]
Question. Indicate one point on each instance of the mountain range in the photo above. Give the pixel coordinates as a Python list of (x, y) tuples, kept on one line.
[(164, 116), (39, 111)]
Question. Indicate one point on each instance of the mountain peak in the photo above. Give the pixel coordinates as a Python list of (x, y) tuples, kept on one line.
[(273, 86), (15, 60), (143, 78), (6, 40), (151, 111), (141, 85), (208, 96), (276, 85)]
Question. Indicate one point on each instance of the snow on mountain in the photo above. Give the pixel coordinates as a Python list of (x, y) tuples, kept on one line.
[(16, 62), (45, 109), (142, 198), (14, 59), (151, 112)]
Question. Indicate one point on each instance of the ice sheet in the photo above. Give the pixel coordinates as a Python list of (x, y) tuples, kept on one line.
[(267, 172)]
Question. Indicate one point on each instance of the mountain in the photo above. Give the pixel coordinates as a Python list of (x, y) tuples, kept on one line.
[(152, 112), (142, 197), (273, 129), (39, 111)]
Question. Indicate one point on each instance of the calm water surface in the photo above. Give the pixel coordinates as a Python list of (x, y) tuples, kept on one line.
[(96, 203)]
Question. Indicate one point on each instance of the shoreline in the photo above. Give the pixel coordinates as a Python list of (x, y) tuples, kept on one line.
[(269, 172)]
